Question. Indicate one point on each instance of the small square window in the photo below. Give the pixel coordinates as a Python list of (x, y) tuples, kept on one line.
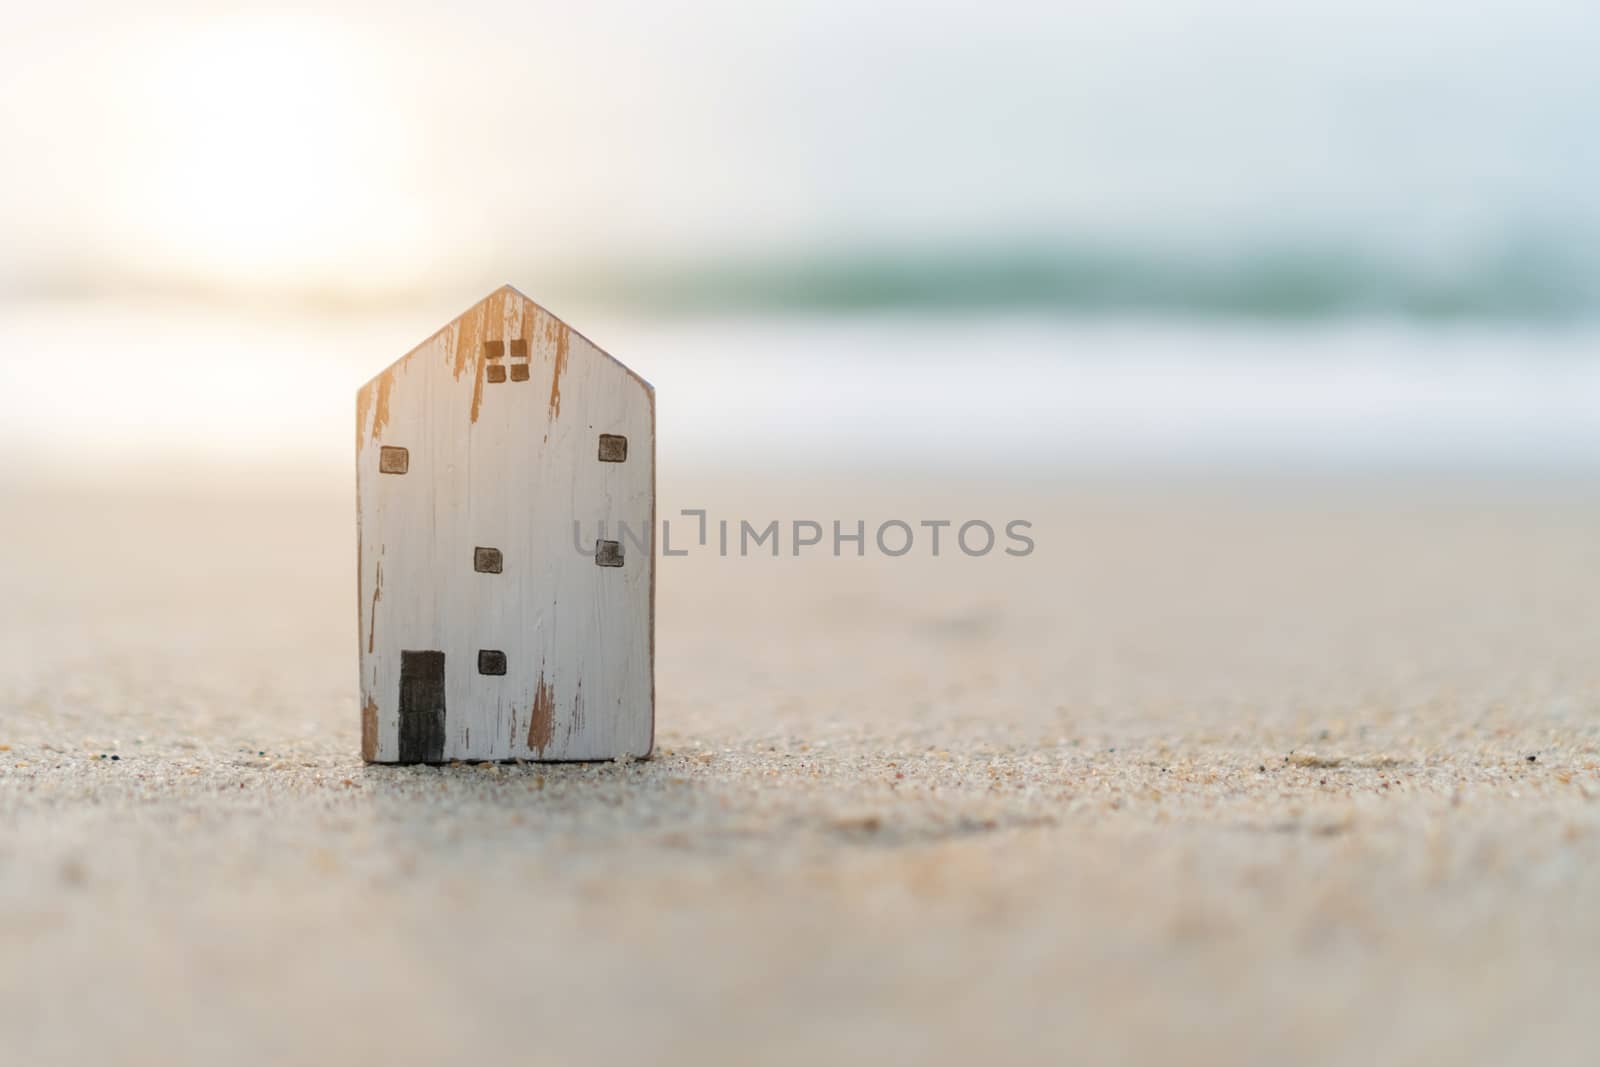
[(493, 349), (392, 460), (519, 348), (519, 372), (491, 661), (613, 448), (608, 554), (487, 560), (496, 373)]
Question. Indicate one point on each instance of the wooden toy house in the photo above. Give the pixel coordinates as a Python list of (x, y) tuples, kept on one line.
[(505, 494)]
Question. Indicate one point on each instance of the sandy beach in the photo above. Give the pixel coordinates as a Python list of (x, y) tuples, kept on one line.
[(1224, 772), (1263, 340)]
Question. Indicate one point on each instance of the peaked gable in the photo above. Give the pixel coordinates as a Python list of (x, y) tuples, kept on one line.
[(505, 315)]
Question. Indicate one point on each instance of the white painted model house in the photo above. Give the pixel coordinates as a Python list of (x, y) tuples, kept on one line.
[(491, 627)]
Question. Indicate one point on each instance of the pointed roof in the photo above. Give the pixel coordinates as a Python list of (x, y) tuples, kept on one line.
[(532, 308)]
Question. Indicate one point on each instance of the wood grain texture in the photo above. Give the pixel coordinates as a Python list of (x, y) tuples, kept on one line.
[(508, 465)]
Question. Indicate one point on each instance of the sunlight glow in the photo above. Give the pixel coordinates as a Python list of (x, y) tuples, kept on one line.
[(269, 160)]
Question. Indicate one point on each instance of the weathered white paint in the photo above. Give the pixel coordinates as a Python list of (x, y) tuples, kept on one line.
[(509, 465)]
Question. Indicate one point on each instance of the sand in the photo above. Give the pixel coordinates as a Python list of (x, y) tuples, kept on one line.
[(1222, 773)]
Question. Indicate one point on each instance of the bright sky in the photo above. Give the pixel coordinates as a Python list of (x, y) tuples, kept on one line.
[(386, 147)]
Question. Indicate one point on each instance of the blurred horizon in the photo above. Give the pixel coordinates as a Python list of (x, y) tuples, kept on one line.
[(1205, 158), (992, 240), (1531, 281)]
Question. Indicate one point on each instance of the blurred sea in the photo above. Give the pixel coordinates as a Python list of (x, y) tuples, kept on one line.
[(1531, 274), (179, 391)]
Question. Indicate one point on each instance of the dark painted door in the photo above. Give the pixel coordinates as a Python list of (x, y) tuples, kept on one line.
[(421, 707)]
